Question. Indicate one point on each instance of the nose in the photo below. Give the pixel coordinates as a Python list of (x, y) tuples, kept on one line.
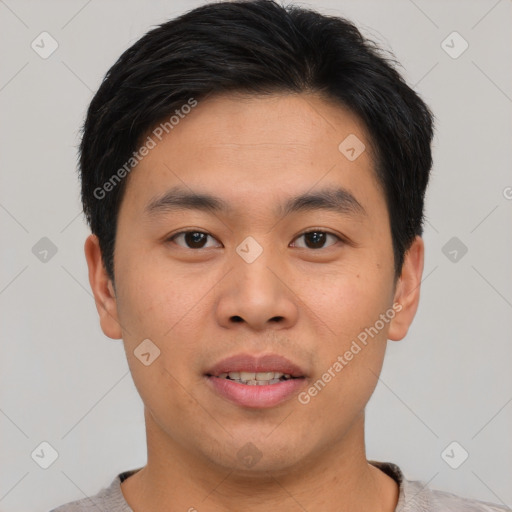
[(257, 294)]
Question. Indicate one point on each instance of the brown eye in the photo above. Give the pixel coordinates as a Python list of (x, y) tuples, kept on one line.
[(316, 239), (192, 239)]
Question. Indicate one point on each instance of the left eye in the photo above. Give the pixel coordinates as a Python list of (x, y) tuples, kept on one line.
[(193, 239), (316, 239)]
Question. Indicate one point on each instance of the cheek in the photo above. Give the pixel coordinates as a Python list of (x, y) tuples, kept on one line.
[(154, 300), (168, 307), (348, 301), (157, 306), (350, 351), (352, 334)]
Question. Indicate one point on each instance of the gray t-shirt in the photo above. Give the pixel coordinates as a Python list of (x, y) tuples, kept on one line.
[(414, 496)]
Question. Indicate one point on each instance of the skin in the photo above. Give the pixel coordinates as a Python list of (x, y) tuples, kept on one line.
[(305, 303)]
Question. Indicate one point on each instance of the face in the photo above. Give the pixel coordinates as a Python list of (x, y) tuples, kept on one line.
[(286, 269)]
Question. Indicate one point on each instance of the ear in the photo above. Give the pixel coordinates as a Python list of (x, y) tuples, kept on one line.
[(102, 288), (407, 292)]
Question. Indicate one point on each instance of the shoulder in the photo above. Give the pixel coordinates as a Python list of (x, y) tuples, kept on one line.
[(442, 500), (416, 496), (109, 498), (420, 498)]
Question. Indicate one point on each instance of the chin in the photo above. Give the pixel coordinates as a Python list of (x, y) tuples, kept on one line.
[(259, 457)]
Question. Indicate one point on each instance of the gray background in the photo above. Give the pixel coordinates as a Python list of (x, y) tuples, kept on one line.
[(64, 382)]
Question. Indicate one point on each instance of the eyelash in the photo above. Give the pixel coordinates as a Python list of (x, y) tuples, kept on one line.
[(171, 238)]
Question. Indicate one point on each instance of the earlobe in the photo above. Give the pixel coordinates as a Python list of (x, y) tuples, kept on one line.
[(102, 288), (407, 292)]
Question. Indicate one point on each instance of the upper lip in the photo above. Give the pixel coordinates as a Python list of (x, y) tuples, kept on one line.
[(250, 363)]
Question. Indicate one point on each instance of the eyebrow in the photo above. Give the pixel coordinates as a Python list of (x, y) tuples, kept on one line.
[(337, 200)]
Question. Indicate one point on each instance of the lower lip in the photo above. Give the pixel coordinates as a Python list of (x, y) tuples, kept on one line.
[(267, 395)]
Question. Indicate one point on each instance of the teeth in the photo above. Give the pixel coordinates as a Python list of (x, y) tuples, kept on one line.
[(266, 375), (256, 378)]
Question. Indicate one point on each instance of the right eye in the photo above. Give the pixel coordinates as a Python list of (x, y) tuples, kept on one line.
[(193, 239)]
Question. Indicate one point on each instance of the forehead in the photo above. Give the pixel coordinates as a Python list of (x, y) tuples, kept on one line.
[(254, 147), (279, 122)]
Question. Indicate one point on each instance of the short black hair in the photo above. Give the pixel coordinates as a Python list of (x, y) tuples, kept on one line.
[(256, 47)]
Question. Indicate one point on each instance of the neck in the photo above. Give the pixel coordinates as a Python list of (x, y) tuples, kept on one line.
[(337, 480)]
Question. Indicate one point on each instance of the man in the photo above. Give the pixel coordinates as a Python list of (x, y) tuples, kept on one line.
[(254, 179)]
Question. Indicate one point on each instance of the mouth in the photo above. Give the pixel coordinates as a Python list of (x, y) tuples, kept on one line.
[(256, 382), (255, 378)]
